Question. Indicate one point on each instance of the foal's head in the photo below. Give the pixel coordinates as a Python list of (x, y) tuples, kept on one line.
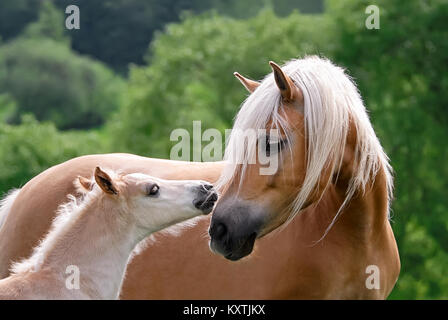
[(149, 202), (315, 111)]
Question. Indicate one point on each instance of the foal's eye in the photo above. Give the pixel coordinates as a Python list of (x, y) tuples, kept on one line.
[(274, 146), (152, 189)]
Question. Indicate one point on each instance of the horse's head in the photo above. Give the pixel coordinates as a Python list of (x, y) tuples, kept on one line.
[(253, 203), (310, 103)]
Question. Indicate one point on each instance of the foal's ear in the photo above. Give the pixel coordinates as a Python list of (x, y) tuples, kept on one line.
[(250, 85), (105, 182), (284, 83), (85, 183)]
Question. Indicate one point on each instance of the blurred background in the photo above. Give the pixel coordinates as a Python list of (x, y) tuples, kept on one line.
[(137, 69)]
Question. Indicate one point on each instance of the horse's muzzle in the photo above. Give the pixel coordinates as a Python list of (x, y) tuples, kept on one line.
[(233, 230)]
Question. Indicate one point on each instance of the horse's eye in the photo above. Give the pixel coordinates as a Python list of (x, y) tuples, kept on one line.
[(152, 190), (274, 146)]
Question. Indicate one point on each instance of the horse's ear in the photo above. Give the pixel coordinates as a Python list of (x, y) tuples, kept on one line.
[(250, 85), (85, 183), (286, 86), (105, 182)]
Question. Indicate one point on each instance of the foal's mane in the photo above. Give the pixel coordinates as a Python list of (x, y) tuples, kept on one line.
[(331, 101)]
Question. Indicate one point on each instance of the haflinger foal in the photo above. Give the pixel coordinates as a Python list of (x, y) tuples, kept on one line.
[(85, 253)]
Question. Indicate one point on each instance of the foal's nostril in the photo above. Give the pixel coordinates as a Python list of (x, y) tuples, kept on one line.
[(205, 198), (208, 187), (213, 197)]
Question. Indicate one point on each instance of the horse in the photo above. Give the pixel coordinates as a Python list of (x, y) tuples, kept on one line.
[(313, 230), (95, 235)]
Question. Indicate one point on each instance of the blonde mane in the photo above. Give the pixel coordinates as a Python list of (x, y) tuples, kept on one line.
[(331, 100)]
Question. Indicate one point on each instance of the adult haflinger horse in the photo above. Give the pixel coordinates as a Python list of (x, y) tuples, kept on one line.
[(330, 197), (93, 236)]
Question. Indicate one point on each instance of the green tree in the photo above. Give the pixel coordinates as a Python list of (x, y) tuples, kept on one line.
[(15, 15), (117, 32), (50, 24), (102, 37), (46, 78), (190, 75), (30, 148), (8, 107)]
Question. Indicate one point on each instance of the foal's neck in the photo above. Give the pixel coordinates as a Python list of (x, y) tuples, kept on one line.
[(98, 242)]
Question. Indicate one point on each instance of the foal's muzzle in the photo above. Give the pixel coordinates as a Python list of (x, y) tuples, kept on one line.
[(206, 198)]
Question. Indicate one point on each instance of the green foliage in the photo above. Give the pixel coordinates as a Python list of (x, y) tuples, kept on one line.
[(46, 78), (109, 28), (49, 25), (30, 148), (7, 107), (103, 38), (284, 7), (15, 15), (117, 32), (190, 75)]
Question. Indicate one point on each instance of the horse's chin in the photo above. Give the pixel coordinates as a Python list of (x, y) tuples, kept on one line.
[(233, 257), (243, 251)]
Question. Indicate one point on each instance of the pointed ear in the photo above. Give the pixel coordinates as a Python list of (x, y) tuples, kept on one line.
[(250, 85), (85, 183), (105, 182), (284, 83)]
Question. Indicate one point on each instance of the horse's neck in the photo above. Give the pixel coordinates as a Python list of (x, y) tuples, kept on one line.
[(98, 244), (364, 215), (366, 210), (369, 209)]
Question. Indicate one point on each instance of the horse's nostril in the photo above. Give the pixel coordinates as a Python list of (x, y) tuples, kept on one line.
[(220, 231)]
